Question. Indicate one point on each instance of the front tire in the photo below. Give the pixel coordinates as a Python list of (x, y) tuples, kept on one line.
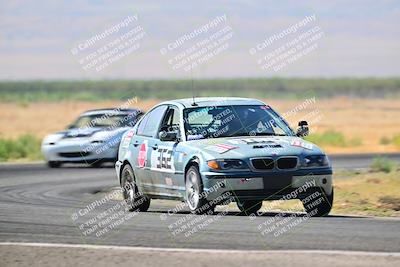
[(135, 200), (195, 200), (322, 208), (53, 164), (96, 164)]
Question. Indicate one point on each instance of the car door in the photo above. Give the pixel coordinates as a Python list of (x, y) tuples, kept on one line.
[(145, 143), (165, 159)]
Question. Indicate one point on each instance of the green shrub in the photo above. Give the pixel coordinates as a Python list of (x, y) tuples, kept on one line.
[(333, 138), (396, 140), (4, 148), (385, 141), (330, 137), (356, 141), (26, 146), (381, 164)]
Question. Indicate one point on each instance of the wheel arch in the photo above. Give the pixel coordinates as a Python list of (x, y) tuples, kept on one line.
[(194, 161)]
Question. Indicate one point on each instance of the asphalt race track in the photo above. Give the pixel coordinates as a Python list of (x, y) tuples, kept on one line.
[(38, 204), (42, 205), (359, 161)]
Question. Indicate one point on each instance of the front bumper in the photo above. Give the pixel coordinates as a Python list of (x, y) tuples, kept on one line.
[(267, 186), (118, 166), (75, 152)]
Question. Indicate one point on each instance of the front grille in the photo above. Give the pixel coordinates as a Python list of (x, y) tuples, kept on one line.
[(287, 163), (263, 163), (77, 135), (74, 154)]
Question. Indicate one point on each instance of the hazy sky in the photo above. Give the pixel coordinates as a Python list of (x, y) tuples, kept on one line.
[(358, 38)]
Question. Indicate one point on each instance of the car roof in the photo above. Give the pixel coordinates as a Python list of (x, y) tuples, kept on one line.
[(111, 110), (214, 101)]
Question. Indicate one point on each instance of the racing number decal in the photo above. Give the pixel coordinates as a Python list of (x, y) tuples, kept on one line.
[(162, 159)]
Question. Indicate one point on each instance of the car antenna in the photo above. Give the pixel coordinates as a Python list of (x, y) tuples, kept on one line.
[(194, 104)]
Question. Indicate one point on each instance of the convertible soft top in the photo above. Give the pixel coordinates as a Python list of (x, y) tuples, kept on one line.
[(112, 110)]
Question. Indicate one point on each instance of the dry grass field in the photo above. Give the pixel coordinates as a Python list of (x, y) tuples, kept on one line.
[(362, 122), (367, 120), (365, 193)]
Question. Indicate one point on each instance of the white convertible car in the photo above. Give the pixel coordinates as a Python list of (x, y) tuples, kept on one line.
[(93, 138)]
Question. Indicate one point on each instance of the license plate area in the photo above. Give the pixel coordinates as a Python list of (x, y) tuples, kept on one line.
[(245, 183), (277, 182)]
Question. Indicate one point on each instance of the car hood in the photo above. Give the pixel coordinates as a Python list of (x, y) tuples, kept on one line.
[(247, 147)]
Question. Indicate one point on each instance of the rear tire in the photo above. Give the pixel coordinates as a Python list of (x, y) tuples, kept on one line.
[(321, 209), (195, 200), (135, 200), (53, 164), (248, 207)]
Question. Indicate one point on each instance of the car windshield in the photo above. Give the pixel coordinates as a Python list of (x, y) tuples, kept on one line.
[(228, 121), (104, 120)]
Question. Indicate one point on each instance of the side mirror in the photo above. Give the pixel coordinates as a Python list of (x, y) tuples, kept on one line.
[(303, 129), (168, 136)]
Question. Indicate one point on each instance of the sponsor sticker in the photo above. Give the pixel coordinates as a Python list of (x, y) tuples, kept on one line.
[(127, 139), (264, 107), (236, 141), (251, 141), (302, 144), (180, 157), (220, 148), (195, 137), (168, 181)]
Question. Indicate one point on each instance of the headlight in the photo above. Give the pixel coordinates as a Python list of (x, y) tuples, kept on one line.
[(52, 139), (315, 161), (227, 164)]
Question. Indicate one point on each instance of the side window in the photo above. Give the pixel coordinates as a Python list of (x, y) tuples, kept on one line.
[(175, 120), (171, 120), (141, 125), (150, 123)]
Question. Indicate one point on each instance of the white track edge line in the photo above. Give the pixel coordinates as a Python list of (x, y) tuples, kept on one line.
[(195, 250)]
